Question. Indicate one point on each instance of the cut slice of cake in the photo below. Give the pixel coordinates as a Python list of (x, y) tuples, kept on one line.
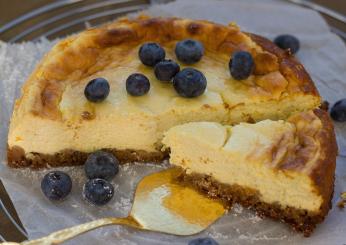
[(282, 169), (54, 124)]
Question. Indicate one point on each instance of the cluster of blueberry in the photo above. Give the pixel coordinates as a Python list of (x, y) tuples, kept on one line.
[(100, 168), (188, 82)]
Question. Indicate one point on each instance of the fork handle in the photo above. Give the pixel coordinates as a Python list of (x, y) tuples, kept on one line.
[(68, 233)]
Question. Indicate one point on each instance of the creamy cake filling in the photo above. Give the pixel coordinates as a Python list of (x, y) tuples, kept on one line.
[(138, 123), (249, 155)]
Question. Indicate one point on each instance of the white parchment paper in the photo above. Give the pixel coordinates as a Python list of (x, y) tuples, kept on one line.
[(322, 53)]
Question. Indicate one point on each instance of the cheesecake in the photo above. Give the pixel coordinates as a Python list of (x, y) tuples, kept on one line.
[(53, 123), (283, 169), (237, 114)]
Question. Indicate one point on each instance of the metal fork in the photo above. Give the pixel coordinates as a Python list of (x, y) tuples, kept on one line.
[(11, 228)]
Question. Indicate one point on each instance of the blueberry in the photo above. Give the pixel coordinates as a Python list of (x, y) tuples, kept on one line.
[(190, 83), (241, 65), (151, 53), (338, 111), (203, 241), (287, 42), (189, 51), (101, 165), (137, 84), (98, 191), (165, 70), (97, 90), (56, 185)]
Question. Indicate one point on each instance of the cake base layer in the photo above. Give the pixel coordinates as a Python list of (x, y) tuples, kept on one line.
[(17, 158), (299, 219)]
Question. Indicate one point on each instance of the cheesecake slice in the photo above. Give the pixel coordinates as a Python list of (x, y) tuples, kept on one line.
[(54, 124), (283, 169)]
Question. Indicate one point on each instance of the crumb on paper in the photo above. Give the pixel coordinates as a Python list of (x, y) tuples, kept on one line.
[(343, 195), (342, 203), (325, 105)]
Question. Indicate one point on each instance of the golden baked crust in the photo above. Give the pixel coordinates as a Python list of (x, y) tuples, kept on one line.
[(90, 51), (17, 157), (299, 219), (323, 174), (290, 67)]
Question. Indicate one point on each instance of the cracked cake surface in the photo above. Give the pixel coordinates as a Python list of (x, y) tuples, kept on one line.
[(52, 116)]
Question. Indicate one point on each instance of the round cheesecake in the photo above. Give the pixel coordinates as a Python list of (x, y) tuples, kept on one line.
[(54, 124), (259, 141)]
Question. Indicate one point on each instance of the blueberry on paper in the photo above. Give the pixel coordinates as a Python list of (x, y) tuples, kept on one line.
[(338, 111), (101, 165), (203, 241), (56, 185), (288, 42), (98, 191)]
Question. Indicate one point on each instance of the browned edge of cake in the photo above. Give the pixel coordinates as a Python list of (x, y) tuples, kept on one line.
[(324, 174), (289, 66), (300, 220), (18, 159)]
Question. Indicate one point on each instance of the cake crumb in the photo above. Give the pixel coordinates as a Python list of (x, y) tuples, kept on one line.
[(87, 115), (324, 106), (341, 204), (343, 195)]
